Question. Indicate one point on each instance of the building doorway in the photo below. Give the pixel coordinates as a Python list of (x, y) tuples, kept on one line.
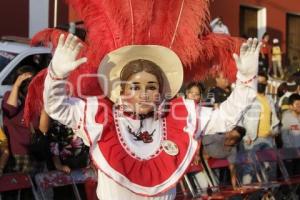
[(248, 22), (293, 42)]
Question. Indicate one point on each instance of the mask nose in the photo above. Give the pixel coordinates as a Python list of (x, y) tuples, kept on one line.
[(144, 96)]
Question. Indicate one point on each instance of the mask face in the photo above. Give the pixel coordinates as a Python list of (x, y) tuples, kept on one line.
[(261, 88), (141, 93)]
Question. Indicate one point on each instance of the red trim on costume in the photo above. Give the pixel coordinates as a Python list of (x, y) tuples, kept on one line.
[(162, 168), (248, 81), (55, 78), (84, 122)]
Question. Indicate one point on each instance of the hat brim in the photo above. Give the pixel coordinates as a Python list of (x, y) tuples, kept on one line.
[(112, 64)]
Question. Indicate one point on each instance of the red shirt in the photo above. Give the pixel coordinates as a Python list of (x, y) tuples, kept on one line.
[(19, 135), (265, 48)]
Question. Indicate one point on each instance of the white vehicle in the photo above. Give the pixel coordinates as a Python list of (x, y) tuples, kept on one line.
[(14, 53)]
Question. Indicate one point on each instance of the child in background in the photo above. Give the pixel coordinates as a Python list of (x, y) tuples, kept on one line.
[(194, 91), (290, 131), (276, 59)]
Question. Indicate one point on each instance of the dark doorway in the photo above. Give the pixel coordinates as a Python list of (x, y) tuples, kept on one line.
[(248, 22), (293, 42)]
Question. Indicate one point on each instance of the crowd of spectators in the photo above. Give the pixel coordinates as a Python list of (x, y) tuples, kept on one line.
[(265, 124)]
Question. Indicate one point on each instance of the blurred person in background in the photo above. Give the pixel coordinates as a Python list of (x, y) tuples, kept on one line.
[(217, 95), (218, 26), (290, 131), (68, 153), (14, 125), (291, 123), (264, 55), (277, 60), (223, 145), (221, 91), (194, 90), (262, 125), (291, 88)]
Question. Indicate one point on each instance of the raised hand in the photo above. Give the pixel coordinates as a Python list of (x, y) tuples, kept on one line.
[(21, 78), (247, 62), (65, 56)]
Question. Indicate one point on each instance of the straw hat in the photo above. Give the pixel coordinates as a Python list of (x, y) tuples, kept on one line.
[(112, 64)]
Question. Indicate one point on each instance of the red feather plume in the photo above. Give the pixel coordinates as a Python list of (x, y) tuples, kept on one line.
[(34, 99), (48, 37), (182, 25)]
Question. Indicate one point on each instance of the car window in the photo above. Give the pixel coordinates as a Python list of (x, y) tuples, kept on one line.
[(5, 58), (39, 61)]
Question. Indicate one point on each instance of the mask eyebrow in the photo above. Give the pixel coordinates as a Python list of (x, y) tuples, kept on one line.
[(135, 83), (153, 82)]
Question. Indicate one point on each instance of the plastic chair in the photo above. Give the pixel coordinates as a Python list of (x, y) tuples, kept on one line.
[(57, 179), (291, 160), (267, 160), (290, 155), (227, 192), (17, 181)]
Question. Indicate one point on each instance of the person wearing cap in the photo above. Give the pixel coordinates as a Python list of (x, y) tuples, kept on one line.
[(141, 147), (276, 59), (218, 26), (291, 87)]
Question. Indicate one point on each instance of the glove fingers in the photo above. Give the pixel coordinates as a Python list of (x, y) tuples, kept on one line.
[(68, 41), (73, 43), (61, 41), (249, 46), (78, 62), (77, 49), (243, 49), (254, 45)]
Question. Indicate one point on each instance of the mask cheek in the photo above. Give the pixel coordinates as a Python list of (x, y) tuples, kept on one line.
[(157, 98)]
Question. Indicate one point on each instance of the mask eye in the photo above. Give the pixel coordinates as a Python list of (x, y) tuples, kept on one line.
[(134, 87), (152, 87)]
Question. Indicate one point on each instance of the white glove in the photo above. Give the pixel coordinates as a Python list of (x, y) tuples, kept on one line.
[(65, 56), (247, 62)]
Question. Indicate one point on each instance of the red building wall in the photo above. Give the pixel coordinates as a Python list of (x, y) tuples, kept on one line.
[(276, 14), (14, 17)]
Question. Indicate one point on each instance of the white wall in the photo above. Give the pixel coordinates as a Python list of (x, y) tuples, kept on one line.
[(261, 22), (38, 16)]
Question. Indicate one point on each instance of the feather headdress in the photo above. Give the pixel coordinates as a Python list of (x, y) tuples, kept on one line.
[(181, 25)]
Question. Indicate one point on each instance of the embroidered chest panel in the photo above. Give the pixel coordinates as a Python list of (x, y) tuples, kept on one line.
[(141, 139)]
